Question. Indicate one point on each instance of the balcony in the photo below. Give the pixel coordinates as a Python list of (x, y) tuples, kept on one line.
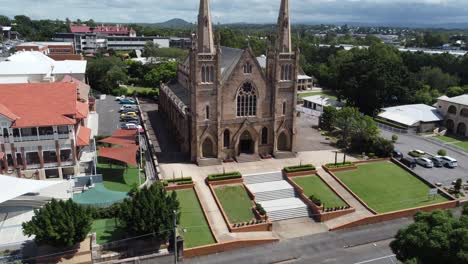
[(64, 136), (51, 165), (33, 166), (46, 137)]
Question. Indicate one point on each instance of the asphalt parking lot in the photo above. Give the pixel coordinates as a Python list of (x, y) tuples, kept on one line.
[(108, 110), (446, 176)]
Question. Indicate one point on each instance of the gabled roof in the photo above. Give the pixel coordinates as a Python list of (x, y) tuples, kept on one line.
[(84, 136), (462, 99), (229, 59), (411, 114), (39, 104)]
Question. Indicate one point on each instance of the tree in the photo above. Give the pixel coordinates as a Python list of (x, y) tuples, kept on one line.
[(426, 95), (150, 49), (59, 224), (437, 79), (328, 118), (105, 73), (455, 91), (434, 238), (150, 211), (394, 138), (4, 21), (163, 72)]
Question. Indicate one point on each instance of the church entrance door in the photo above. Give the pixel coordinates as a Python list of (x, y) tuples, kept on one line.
[(246, 144)]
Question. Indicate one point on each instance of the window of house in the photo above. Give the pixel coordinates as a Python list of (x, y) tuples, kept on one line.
[(227, 138), (286, 72), (207, 112), (207, 73), (247, 68), (284, 108), (247, 101), (264, 136)]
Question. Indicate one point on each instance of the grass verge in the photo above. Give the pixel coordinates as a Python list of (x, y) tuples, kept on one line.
[(313, 185), (106, 231), (119, 179), (236, 203)]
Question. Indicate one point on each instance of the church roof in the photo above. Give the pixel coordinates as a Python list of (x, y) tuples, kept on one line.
[(229, 59), (178, 94)]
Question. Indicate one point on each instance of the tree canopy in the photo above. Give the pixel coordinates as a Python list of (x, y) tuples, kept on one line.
[(436, 237), (59, 224)]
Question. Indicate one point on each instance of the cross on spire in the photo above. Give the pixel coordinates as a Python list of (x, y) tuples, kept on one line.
[(205, 29)]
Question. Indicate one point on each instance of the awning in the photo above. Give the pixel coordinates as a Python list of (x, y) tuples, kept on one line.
[(84, 136), (15, 187), (126, 154), (121, 137)]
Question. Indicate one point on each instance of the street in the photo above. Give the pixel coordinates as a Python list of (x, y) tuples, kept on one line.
[(446, 176)]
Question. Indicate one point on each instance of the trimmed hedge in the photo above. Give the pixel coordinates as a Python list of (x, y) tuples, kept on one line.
[(315, 200), (179, 181), (300, 168), (260, 209), (225, 176), (339, 165)]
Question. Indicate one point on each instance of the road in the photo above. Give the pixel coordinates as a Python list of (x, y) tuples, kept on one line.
[(108, 111), (446, 176)]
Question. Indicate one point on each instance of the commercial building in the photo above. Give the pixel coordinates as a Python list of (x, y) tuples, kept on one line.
[(42, 129), (225, 106), (418, 118), (35, 66), (455, 111), (55, 50)]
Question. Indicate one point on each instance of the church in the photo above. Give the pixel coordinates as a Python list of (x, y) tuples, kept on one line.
[(225, 106)]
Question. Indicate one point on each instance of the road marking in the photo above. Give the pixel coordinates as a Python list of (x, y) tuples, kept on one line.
[(372, 260)]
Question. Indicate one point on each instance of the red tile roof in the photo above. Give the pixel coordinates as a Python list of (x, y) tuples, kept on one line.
[(80, 29), (84, 136), (39, 104), (110, 30), (82, 110)]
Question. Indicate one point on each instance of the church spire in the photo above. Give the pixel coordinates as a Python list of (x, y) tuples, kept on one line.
[(205, 28), (283, 42)]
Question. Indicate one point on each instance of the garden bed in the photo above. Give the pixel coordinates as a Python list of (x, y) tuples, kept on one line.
[(315, 186), (385, 187), (301, 170), (224, 176), (236, 203)]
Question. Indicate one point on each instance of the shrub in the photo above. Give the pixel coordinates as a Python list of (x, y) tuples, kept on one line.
[(300, 168), (339, 165), (394, 138), (315, 200), (225, 176), (260, 209), (442, 153)]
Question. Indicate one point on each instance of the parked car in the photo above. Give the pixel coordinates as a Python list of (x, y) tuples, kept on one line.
[(128, 118), (128, 107), (136, 122), (425, 162), (129, 114), (397, 155), (127, 101), (450, 162), (438, 162), (130, 126), (409, 162), (119, 98)]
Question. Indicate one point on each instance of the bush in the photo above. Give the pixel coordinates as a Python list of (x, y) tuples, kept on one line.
[(225, 176), (394, 138), (260, 209), (299, 168), (315, 200), (178, 181), (442, 153), (339, 165)]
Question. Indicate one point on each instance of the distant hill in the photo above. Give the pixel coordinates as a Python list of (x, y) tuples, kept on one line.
[(175, 23)]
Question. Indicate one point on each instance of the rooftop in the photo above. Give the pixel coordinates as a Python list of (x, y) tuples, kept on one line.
[(44, 44), (411, 114), (111, 30), (462, 99), (39, 104), (323, 100)]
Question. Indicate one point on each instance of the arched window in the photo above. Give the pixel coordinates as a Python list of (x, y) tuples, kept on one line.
[(207, 112), (227, 139), (264, 136), (247, 101), (286, 72), (248, 68), (207, 74), (452, 110)]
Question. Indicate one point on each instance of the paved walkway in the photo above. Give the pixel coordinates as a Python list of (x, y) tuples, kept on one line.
[(361, 211)]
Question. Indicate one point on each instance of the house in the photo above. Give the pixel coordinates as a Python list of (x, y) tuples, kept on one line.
[(35, 66), (455, 112), (319, 102), (42, 130), (418, 118)]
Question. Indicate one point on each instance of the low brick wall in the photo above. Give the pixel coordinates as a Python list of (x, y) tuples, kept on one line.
[(319, 214), (347, 168), (179, 187), (225, 182), (226, 246), (396, 215), (299, 173), (262, 227)]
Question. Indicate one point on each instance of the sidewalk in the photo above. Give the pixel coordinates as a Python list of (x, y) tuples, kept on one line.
[(361, 211)]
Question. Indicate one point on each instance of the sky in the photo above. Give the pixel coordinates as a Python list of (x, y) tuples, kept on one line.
[(401, 12)]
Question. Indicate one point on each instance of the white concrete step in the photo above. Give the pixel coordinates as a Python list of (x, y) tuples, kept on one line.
[(289, 214), (282, 204), (275, 195), (266, 177)]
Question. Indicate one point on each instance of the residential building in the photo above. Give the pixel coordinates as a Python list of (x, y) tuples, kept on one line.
[(418, 118), (42, 130), (455, 111), (319, 102), (34, 66), (225, 105)]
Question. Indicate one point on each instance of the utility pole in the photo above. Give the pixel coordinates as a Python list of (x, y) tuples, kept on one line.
[(95, 157), (175, 236)]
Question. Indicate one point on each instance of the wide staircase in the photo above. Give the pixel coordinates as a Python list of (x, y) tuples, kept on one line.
[(276, 196)]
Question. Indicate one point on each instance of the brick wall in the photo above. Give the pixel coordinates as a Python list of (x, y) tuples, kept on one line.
[(299, 173), (222, 247), (179, 187)]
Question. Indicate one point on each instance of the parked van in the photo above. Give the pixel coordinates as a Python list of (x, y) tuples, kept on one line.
[(409, 162), (450, 162)]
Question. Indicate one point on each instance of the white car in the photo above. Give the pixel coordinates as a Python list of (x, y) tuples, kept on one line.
[(449, 162), (118, 98), (425, 162), (130, 126)]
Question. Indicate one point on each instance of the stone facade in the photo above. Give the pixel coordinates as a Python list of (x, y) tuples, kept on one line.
[(224, 104), (455, 111)]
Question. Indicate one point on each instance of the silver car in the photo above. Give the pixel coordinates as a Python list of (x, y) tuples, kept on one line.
[(427, 163)]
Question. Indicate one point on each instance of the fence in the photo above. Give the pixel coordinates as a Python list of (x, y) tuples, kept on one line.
[(82, 181)]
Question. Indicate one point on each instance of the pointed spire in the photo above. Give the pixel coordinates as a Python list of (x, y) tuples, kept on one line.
[(283, 42), (205, 28)]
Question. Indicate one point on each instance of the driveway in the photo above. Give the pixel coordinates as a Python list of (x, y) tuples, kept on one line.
[(108, 110), (308, 137), (446, 176)]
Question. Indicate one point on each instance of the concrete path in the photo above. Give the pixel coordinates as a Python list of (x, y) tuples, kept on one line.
[(361, 211)]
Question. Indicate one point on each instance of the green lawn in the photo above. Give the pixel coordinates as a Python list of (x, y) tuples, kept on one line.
[(118, 178), (385, 187), (327, 94), (106, 231), (193, 220), (236, 203), (130, 89), (454, 141), (313, 185)]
